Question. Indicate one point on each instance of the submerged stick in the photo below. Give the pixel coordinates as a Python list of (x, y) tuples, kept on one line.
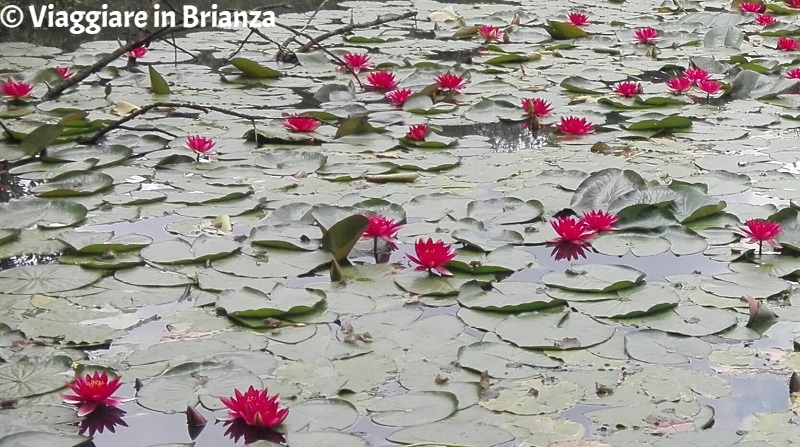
[(173, 105)]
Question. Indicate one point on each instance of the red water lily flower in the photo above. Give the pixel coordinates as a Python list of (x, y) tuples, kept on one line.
[(787, 44), (536, 106), (765, 19), (200, 145), (490, 33), (793, 3), (16, 90), (432, 256), (64, 72), (567, 250), (450, 81), (750, 7), (572, 230), (380, 227), (101, 419), (572, 125), (578, 19), (793, 73), (255, 407), (92, 391), (599, 220), (708, 86), (399, 97), (646, 36), (138, 52), (357, 61), (679, 85), (417, 132), (628, 89), (382, 80), (760, 230), (696, 74), (300, 123)]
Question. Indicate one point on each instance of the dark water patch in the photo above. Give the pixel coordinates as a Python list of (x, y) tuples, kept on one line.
[(27, 259), (504, 136), (13, 187)]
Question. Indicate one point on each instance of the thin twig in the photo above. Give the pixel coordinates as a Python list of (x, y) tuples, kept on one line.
[(173, 105), (328, 52), (305, 27), (147, 129), (353, 26), (241, 45), (8, 132), (99, 65)]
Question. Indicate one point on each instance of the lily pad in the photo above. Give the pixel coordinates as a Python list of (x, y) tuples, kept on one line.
[(595, 278), (178, 251), (561, 331)]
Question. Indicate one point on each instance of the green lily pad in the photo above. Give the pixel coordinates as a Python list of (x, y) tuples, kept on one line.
[(45, 278), (603, 187), (57, 213), (101, 242), (254, 70), (565, 330), (663, 348), (505, 259), (503, 361), (43, 439), (560, 30), (413, 409), (505, 296), (422, 283), (77, 183), (595, 278), (280, 301), (290, 162), (26, 378), (464, 433), (506, 210), (178, 251)]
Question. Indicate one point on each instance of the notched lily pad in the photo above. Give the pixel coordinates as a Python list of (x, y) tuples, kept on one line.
[(595, 278), (280, 301), (101, 242), (178, 251)]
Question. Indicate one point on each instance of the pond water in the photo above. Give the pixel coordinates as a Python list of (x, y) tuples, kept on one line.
[(193, 275)]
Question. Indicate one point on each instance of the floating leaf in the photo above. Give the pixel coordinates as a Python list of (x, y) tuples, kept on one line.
[(565, 330), (179, 251), (413, 409), (251, 303), (560, 30), (158, 84), (254, 70), (595, 278), (340, 238)]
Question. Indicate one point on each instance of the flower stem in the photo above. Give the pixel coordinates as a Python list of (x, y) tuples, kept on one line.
[(760, 245), (375, 248)]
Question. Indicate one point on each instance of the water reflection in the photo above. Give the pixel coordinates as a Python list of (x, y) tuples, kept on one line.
[(238, 429), (101, 419), (504, 137), (567, 250), (13, 187)]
